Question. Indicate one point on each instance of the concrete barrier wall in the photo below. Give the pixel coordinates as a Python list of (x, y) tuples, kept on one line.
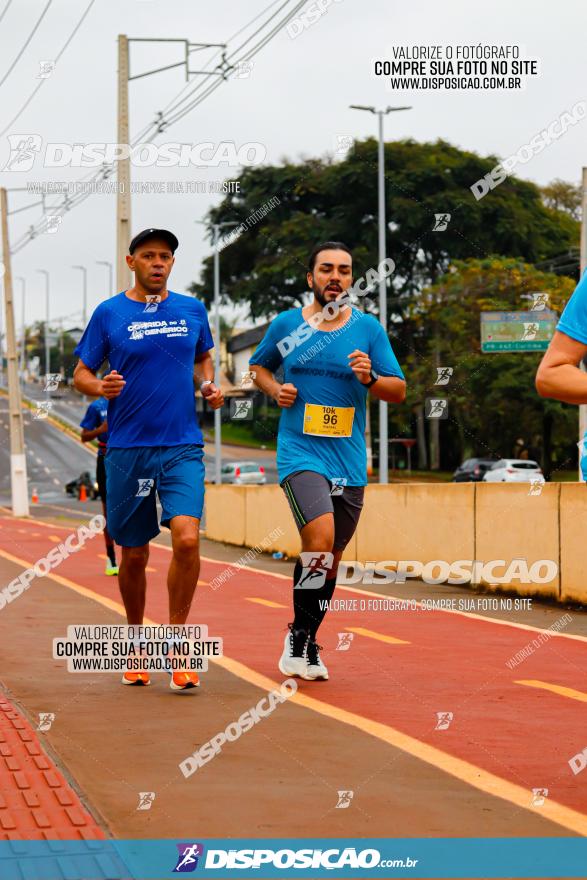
[(573, 546), (417, 521), (511, 524), (225, 514), (427, 522)]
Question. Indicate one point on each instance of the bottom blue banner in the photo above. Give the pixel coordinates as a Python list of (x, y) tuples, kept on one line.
[(382, 858)]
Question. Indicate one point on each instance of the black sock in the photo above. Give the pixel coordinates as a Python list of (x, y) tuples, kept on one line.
[(111, 555), (310, 604), (301, 620), (323, 595)]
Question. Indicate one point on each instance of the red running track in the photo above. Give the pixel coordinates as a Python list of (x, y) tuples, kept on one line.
[(453, 663)]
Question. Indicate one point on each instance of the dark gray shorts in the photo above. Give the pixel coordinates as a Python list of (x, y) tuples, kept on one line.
[(310, 495)]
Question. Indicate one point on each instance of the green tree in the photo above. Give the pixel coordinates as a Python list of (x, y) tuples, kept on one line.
[(61, 354), (265, 266), (563, 196), (491, 397)]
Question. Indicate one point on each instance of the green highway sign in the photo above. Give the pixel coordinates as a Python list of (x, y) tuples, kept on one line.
[(517, 331)]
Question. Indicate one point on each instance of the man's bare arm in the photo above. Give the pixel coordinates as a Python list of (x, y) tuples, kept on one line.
[(559, 376), (392, 389), (284, 395), (91, 434), (86, 381), (204, 368), (204, 372)]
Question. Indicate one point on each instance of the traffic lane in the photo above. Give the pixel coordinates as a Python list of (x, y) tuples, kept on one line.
[(236, 454), (53, 457)]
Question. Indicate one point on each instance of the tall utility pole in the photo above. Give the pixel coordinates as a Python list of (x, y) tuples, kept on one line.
[(109, 265), (217, 414), (23, 320), (583, 407), (123, 273), (85, 294), (47, 346), (18, 472), (383, 431)]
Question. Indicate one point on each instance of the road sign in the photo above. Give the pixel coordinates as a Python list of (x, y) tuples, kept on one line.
[(517, 331)]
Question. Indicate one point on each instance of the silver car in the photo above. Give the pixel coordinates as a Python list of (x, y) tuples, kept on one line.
[(243, 473), (514, 470)]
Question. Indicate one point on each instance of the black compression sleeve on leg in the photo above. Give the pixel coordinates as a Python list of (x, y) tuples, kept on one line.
[(321, 597), (301, 619)]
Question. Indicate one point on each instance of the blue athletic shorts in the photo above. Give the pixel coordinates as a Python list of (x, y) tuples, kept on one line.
[(133, 476)]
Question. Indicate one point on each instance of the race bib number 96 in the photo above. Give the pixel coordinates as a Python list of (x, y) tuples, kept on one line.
[(328, 421)]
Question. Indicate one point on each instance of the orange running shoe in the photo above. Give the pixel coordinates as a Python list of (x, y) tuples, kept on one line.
[(139, 679), (183, 681)]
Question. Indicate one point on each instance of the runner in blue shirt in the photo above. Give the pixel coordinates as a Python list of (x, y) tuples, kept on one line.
[(154, 340), (331, 355), (559, 376), (95, 427)]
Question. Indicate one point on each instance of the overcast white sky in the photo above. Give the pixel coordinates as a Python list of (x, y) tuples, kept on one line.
[(295, 103)]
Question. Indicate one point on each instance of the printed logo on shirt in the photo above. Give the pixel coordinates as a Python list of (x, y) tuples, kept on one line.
[(140, 329)]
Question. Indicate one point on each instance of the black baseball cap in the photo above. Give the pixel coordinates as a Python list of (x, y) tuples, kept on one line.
[(168, 236)]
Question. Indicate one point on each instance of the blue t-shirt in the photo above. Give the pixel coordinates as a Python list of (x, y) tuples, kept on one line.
[(316, 362), (96, 413), (573, 320), (154, 350)]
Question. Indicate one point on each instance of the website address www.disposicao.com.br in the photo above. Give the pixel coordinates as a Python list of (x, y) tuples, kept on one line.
[(325, 859)]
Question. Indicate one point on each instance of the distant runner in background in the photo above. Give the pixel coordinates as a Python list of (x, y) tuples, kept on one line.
[(95, 427)]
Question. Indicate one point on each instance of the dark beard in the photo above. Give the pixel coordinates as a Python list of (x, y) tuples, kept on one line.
[(320, 298)]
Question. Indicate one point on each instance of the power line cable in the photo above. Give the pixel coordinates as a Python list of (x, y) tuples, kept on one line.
[(29, 38), (5, 10), (41, 82)]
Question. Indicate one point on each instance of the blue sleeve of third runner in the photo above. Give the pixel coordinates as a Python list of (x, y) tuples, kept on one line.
[(94, 345), (267, 353), (381, 353), (92, 418), (573, 320)]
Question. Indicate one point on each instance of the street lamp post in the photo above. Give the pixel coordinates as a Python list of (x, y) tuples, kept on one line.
[(85, 294), (216, 227), (110, 273), (47, 349), (383, 433)]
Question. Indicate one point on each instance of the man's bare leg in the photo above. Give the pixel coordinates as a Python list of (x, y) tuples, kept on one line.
[(133, 581), (185, 566)]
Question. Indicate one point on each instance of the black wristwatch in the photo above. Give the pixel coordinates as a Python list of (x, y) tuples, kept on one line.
[(374, 378)]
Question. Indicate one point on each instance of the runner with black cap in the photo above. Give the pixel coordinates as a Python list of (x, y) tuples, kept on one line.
[(157, 343)]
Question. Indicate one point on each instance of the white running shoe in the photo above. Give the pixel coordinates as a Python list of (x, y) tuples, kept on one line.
[(293, 660), (315, 668)]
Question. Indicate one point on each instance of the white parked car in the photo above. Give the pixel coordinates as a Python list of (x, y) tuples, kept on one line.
[(243, 473), (514, 470)]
